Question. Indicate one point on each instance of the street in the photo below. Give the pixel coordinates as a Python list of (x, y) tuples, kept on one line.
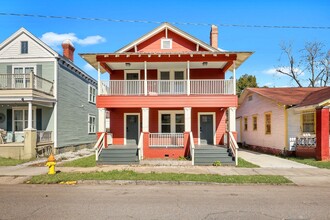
[(163, 202)]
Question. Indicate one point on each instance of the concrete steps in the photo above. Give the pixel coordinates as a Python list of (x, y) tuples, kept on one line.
[(208, 155)]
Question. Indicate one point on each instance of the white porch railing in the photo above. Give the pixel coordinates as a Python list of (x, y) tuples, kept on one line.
[(167, 87), (44, 136), (140, 147), (166, 140), (192, 148), (99, 146), (233, 147), (23, 81)]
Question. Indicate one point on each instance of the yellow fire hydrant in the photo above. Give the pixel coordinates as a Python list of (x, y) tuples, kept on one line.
[(51, 162)]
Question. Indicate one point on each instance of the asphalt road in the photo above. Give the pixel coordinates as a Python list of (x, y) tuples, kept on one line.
[(163, 202)]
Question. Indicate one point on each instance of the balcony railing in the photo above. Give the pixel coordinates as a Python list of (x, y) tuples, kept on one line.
[(25, 81), (166, 140), (167, 87)]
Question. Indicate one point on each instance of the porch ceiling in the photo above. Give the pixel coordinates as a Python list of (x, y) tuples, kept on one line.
[(162, 65)]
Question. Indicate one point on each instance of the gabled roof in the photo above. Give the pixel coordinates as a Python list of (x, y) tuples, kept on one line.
[(286, 96), (68, 62), (170, 27), (29, 34), (317, 97)]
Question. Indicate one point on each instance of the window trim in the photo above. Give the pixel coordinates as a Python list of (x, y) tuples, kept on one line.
[(172, 73), (247, 123), (268, 113), (34, 115), (254, 128), (162, 43), (132, 71), (27, 47), (302, 122), (88, 124), (89, 94), (172, 123)]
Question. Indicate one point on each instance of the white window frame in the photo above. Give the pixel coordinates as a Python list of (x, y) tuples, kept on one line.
[(93, 131), (162, 43), (172, 73), (132, 71), (172, 123), (93, 99), (34, 112), (24, 66), (199, 124)]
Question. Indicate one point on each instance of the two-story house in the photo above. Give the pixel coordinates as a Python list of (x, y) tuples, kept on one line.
[(46, 101), (167, 96)]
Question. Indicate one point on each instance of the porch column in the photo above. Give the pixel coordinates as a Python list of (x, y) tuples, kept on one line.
[(30, 116), (102, 119), (322, 133), (188, 77), (187, 119), (232, 119), (145, 79), (145, 119), (234, 78), (98, 79)]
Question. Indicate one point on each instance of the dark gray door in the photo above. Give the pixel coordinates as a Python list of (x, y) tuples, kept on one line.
[(132, 84), (132, 129), (206, 129)]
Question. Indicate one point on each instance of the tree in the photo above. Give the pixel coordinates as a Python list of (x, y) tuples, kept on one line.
[(245, 81), (311, 68)]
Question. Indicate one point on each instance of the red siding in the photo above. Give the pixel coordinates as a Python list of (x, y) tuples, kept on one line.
[(166, 101)]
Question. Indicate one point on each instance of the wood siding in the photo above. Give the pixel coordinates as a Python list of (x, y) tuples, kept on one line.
[(166, 101), (258, 106)]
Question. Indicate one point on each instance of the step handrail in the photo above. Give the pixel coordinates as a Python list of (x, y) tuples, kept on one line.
[(233, 146), (99, 146), (140, 147), (192, 148)]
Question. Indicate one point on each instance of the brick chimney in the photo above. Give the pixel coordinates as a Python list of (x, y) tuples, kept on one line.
[(68, 49), (214, 36)]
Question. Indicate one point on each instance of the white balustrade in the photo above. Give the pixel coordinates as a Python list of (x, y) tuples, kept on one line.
[(166, 140)]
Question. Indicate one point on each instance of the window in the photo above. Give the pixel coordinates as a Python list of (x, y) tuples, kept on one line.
[(166, 43), (268, 123), (250, 98), (255, 123), (20, 119), (24, 47), (245, 124), (91, 94), (21, 76), (91, 124), (308, 122), (171, 122)]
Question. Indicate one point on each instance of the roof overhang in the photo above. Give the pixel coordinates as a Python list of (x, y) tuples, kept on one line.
[(196, 59)]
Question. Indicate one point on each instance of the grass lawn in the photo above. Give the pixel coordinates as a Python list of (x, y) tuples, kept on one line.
[(245, 164), (131, 175), (82, 162), (311, 162), (11, 162)]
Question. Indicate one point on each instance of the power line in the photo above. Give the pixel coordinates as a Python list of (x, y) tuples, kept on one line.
[(159, 22)]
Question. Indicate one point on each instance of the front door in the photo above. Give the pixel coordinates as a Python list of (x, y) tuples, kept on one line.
[(206, 129), (132, 129), (132, 84)]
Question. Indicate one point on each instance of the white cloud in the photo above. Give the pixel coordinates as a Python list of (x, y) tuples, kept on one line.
[(272, 71), (54, 39), (88, 67)]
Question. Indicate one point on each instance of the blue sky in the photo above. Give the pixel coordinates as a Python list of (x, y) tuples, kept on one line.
[(99, 36)]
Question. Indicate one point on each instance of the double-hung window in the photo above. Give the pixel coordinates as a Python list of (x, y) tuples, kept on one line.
[(21, 76), (24, 47), (20, 119), (91, 124), (91, 94), (171, 122), (268, 123), (308, 122), (255, 122)]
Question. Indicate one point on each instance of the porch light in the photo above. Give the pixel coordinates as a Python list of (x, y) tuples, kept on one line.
[(127, 64), (204, 63)]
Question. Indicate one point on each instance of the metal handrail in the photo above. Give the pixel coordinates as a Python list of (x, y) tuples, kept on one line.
[(99, 146), (233, 146)]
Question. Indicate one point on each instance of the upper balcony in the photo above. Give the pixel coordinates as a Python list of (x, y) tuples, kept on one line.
[(166, 87), (25, 85)]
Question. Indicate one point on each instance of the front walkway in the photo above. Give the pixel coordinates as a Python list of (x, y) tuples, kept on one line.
[(269, 161)]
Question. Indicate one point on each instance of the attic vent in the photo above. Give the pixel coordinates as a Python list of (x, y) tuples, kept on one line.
[(166, 43), (250, 98)]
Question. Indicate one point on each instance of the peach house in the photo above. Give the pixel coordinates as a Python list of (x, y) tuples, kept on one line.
[(168, 95)]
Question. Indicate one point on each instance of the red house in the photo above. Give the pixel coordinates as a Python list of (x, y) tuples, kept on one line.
[(167, 97)]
